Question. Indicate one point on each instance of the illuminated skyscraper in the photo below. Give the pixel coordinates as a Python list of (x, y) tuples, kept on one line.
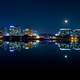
[(28, 32), (15, 31)]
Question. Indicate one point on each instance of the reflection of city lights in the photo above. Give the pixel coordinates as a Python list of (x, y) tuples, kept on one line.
[(65, 56), (74, 39), (63, 49), (34, 43), (7, 42), (11, 50), (1, 40), (37, 41), (13, 34), (26, 47)]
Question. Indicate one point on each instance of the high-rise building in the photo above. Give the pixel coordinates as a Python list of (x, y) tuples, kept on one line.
[(15, 31), (28, 32)]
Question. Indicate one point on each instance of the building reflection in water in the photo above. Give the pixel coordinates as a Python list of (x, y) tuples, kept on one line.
[(15, 38), (13, 46)]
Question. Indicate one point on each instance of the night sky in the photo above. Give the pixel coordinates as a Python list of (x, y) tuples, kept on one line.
[(41, 15)]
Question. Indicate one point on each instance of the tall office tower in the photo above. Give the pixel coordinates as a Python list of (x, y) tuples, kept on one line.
[(15, 31), (28, 32), (64, 32), (76, 32)]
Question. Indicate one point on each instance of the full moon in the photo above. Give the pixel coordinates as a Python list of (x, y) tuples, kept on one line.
[(66, 21)]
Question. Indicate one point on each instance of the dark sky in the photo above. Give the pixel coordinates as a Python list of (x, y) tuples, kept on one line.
[(42, 15)]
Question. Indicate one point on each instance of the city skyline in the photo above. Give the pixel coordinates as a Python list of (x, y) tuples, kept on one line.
[(42, 15)]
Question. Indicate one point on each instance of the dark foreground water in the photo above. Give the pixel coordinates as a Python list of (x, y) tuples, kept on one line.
[(43, 57)]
